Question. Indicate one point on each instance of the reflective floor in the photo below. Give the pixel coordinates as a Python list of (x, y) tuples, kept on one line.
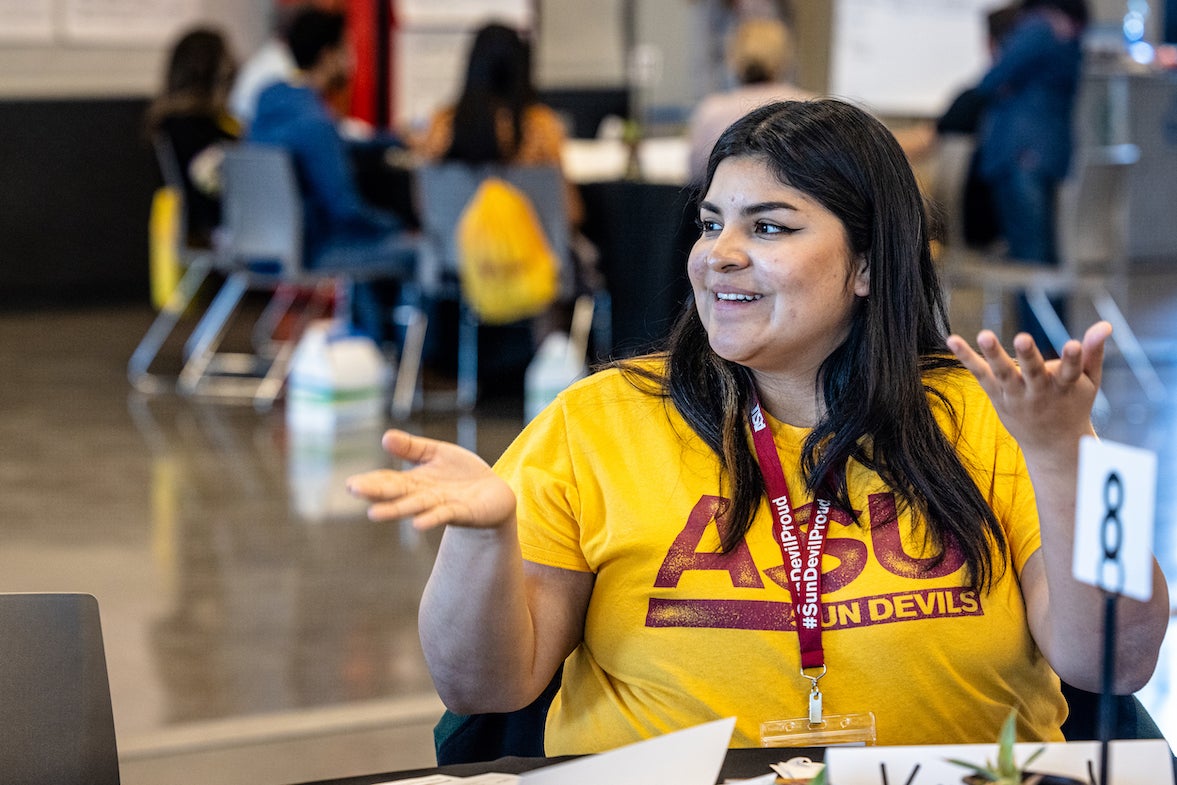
[(258, 628)]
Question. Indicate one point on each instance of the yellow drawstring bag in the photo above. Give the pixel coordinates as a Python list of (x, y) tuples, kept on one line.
[(164, 244), (507, 269)]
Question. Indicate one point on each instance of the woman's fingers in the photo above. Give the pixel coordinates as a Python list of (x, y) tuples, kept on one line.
[(1030, 364), (1092, 349), (975, 363), (402, 444)]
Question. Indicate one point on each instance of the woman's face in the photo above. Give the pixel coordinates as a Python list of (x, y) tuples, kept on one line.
[(772, 271)]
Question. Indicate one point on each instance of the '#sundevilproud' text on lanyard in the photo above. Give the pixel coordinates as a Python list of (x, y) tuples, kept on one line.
[(801, 554)]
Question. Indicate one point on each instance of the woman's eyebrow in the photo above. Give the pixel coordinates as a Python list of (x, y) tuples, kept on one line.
[(764, 207), (752, 209)]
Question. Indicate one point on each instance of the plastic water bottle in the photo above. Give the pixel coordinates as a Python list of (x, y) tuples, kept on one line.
[(338, 380)]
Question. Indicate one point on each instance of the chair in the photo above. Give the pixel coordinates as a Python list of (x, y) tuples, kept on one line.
[(1091, 228), (443, 191), (1131, 719), (470, 738), (59, 727), (198, 264), (260, 247)]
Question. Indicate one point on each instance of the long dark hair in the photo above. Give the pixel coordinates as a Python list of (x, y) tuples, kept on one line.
[(498, 80), (199, 71), (878, 409)]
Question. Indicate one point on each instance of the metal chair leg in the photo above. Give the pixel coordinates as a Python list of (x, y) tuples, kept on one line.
[(139, 366), (1130, 347), (210, 331), (1055, 330), (409, 368)]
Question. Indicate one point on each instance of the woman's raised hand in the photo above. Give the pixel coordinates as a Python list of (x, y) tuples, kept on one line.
[(1041, 402), (448, 485)]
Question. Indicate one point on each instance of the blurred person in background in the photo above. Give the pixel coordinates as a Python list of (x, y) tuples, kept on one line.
[(189, 121), (498, 117), (1024, 142), (714, 23), (271, 63), (339, 225), (760, 57)]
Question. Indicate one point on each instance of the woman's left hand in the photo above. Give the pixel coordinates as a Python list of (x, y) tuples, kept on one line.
[(1040, 401)]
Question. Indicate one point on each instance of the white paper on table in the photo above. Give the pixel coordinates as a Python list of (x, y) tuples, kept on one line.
[(593, 160), (1135, 762), (687, 757), (1116, 492), (665, 159), (660, 160)]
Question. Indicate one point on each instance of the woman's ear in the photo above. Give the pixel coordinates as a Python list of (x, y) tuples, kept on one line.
[(861, 276)]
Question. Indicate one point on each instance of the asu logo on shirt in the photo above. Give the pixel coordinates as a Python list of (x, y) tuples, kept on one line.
[(876, 542)]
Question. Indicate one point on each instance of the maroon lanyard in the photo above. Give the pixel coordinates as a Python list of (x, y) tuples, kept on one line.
[(801, 554)]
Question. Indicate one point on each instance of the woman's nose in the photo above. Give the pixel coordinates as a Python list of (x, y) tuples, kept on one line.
[(727, 252)]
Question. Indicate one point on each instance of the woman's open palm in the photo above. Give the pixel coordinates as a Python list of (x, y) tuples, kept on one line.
[(1041, 402), (449, 485)]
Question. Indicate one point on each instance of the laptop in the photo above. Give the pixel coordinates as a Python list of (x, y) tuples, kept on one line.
[(58, 728)]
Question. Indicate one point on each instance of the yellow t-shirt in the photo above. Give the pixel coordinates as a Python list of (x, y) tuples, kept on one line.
[(611, 480)]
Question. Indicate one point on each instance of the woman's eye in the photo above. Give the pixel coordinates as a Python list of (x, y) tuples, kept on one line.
[(767, 227), (707, 225)]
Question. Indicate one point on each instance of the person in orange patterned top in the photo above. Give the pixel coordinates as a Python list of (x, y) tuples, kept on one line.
[(497, 118)]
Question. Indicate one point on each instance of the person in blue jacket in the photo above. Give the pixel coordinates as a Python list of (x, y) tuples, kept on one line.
[(340, 228), (1025, 139)]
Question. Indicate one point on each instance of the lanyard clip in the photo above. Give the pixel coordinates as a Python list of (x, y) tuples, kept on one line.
[(813, 680), (814, 696)]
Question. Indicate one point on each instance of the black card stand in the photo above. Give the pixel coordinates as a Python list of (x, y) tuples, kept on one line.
[(1112, 537), (1107, 706)]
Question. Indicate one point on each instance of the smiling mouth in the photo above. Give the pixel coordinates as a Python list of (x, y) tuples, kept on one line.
[(737, 298)]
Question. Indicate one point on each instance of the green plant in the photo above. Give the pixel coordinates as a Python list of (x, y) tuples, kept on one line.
[(1007, 771)]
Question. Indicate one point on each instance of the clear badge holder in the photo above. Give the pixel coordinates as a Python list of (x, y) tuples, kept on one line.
[(818, 730), (846, 730)]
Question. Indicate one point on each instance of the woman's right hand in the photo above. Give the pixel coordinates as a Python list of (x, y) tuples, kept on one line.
[(449, 485)]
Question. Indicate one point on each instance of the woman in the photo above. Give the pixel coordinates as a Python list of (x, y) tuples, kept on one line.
[(189, 121), (628, 528), (498, 118)]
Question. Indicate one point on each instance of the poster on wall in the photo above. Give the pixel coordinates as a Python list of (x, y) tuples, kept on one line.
[(26, 21), (120, 21), (908, 57)]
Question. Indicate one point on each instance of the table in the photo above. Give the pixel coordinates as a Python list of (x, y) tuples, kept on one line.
[(738, 764)]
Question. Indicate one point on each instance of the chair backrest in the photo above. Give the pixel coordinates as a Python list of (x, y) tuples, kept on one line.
[(1092, 210), (444, 189), (951, 166), (54, 692), (261, 210), (169, 169)]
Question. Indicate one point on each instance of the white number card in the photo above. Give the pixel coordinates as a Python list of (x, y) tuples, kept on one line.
[(1114, 506)]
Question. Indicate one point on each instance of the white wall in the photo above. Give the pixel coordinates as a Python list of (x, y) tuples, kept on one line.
[(68, 66), (580, 44)]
